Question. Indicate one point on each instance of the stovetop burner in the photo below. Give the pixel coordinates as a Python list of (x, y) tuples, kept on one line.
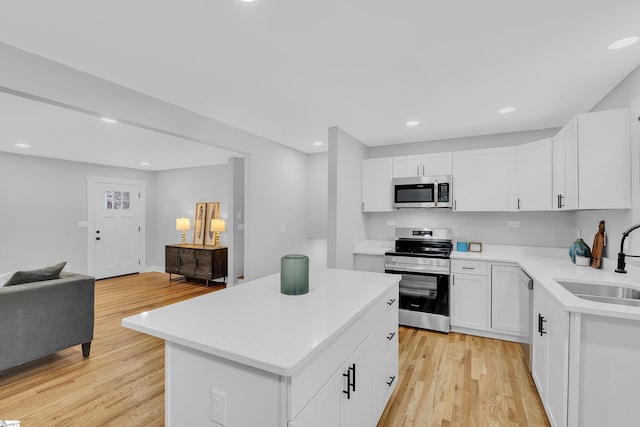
[(423, 242)]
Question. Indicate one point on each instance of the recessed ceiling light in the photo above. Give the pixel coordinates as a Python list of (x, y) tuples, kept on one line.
[(109, 120), (144, 163), (318, 143), (413, 123), (506, 110), (622, 43), (22, 145)]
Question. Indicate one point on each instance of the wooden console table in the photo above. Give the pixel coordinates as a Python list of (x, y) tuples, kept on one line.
[(196, 261)]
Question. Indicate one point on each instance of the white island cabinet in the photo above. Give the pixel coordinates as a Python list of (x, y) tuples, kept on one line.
[(249, 355)]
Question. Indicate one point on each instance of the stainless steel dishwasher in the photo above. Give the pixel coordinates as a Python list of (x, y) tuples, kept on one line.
[(526, 312)]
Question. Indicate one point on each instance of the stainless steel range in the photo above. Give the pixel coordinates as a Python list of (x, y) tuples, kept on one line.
[(421, 256)]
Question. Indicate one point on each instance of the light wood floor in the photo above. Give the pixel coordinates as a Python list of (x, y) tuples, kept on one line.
[(445, 380)]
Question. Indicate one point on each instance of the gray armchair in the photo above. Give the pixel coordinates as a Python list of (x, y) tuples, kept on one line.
[(40, 318)]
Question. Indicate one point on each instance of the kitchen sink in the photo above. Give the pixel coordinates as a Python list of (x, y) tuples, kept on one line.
[(608, 293)]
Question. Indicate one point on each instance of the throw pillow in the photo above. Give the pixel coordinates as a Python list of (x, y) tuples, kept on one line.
[(46, 273), (4, 277)]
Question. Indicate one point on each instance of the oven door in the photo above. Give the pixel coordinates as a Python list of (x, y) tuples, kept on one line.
[(424, 292)]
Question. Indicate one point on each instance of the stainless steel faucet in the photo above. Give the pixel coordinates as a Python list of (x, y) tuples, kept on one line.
[(621, 255)]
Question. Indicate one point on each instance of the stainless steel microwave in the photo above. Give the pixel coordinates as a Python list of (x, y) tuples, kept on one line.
[(423, 192)]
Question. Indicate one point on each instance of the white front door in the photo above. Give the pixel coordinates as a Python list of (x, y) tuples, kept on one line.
[(116, 233)]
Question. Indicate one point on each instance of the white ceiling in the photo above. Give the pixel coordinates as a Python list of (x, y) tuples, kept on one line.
[(287, 70)]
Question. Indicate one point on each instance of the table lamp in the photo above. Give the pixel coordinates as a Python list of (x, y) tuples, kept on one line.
[(183, 224), (217, 225)]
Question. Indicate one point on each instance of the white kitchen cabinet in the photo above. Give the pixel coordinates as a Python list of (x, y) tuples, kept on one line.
[(591, 162), (565, 168), (385, 371), (360, 389), (505, 299), (432, 164), (483, 180), (550, 364), (534, 176), (468, 296), (376, 185)]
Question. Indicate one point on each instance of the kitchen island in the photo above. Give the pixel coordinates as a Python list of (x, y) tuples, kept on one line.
[(249, 355)]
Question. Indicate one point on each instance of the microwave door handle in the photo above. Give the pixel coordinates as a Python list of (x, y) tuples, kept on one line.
[(435, 194)]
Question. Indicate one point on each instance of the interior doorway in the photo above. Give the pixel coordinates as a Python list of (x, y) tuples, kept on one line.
[(116, 226)]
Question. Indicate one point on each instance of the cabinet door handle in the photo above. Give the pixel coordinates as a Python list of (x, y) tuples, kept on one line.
[(418, 170), (348, 390), (518, 203), (391, 301), (560, 205), (391, 380), (391, 335), (352, 368), (363, 206), (178, 261), (541, 321)]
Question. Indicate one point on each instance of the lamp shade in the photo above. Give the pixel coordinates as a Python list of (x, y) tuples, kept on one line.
[(183, 224), (218, 225)]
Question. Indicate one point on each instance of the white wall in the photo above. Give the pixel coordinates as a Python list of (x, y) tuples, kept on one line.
[(346, 222), (42, 201), (274, 175), (177, 192), (317, 195), (551, 229)]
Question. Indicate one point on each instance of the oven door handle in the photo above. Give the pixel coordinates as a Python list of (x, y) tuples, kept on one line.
[(417, 273)]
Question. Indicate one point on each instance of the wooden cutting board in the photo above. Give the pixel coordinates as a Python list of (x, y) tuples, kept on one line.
[(598, 245)]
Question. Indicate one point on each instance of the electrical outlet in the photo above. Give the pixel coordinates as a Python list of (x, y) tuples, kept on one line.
[(391, 222), (218, 407), (513, 224), (283, 228)]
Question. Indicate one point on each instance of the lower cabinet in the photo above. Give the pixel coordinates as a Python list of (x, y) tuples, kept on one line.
[(505, 299), (196, 261), (357, 393), (468, 296), (550, 362)]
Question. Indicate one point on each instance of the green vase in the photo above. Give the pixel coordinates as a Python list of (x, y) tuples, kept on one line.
[(294, 274), (579, 248)]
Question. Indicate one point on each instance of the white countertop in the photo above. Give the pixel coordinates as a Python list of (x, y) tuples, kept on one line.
[(256, 325), (372, 247), (545, 265)]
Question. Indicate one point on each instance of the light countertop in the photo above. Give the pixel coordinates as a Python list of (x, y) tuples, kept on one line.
[(546, 265), (256, 325), (373, 247)]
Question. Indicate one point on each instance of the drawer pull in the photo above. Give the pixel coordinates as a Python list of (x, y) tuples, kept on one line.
[(391, 335), (348, 390), (541, 321), (391, 380), (468, 268), (391, 301)]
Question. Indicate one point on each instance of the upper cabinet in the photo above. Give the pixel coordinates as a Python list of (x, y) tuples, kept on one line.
[(483, 180), (592, 162), (533, 176), (376, 185), (422, 165)]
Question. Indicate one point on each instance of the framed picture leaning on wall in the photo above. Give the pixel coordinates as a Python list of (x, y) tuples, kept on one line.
[(199, 223), (213, 212)]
